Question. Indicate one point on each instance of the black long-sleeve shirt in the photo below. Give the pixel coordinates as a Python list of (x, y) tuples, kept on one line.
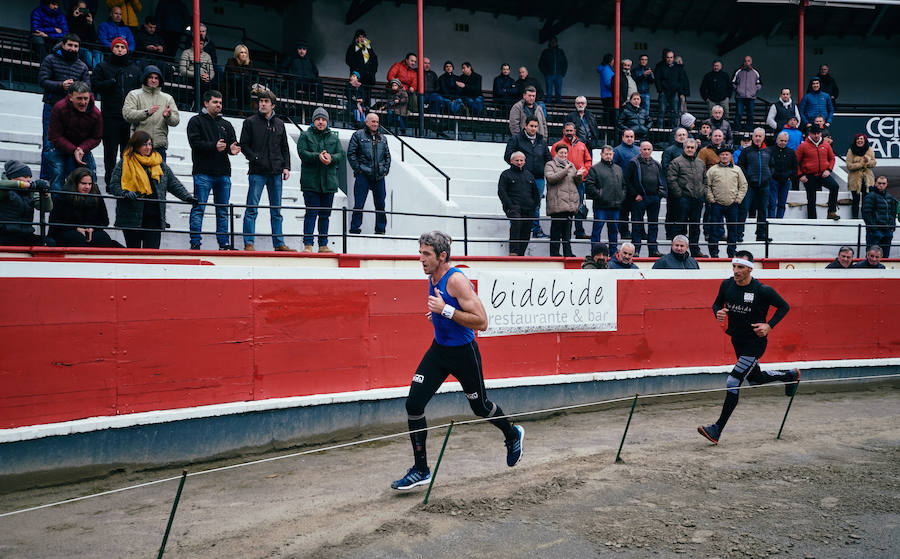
[(747, 305)]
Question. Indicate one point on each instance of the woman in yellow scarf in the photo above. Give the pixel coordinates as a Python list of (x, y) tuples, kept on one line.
[(141, 179)]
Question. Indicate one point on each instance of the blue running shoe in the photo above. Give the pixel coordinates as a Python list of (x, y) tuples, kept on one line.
[(790, 386), (514, 447), (412, 479), (711, 432)]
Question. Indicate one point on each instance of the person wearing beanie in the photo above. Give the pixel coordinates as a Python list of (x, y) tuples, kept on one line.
[(687, 121), (321, 155), (815, 103), (397, 105), (264, 142), (115, 27), (20, 195), (111, 80), (151, 110), (598, 259)]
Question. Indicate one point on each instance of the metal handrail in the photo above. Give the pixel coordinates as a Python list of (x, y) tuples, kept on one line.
[(404, 144)]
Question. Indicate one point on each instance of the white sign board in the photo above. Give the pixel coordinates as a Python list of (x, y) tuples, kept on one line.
[(551, 301)]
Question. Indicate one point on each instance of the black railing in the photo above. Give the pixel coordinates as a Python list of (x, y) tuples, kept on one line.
[(466, 222)]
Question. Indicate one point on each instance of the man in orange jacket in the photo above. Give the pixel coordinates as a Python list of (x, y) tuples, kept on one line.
[(405, 71), (816, 161), (580, 156)]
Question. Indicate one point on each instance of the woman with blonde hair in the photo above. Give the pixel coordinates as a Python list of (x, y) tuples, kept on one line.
[(860, 162), (141, 179), (240, 60), (239, 79)]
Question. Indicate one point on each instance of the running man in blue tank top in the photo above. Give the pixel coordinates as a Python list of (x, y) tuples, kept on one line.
[(456, 312)]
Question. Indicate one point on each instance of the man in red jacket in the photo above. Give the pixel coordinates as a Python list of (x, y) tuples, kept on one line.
[(406, 72), (816, 161), (580, 156), (75, 128)]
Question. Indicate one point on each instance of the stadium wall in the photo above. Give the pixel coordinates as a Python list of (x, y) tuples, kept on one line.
[(137, 363)]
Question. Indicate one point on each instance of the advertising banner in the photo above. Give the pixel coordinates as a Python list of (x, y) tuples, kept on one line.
[(883, 132), (551, 301)]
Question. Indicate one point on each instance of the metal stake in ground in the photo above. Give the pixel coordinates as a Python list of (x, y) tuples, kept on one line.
[(162, 548), (438, 464), (621, 444), (791, 401)]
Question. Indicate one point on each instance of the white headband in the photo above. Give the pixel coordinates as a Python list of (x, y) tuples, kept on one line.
[(742, 262)]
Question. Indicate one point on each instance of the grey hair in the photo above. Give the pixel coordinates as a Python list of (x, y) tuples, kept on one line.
[(681, 238), (515, 153), (79, 87), (785, 134), (569, 123), (628, 60), (690, 142), (438, 240), (755, 130), (628, 244), (875, 248), (581, 98), (607, 147), (717, 107)]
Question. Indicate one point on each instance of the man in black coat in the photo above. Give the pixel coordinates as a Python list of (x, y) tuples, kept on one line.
[(530, 142), (112, 80), (518, 193), (305, 71), (585, 123), (879, 211), (716, 88), (670, 82)]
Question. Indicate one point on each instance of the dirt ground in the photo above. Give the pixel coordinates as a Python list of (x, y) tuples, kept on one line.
[(829, 488)]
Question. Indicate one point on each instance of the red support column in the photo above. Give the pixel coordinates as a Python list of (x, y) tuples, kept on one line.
[(420, 10), (617, 64), (801, 39)]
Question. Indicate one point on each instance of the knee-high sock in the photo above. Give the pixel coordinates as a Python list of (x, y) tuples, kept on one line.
[(418, 441)]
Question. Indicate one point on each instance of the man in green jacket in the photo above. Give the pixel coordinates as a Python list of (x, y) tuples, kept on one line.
[(320, 152)]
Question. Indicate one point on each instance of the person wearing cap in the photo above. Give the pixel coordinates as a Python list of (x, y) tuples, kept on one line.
[(795, 136), (19, 197), (302, 67), (358, 100), (264, 143), (744, 141), (76, 128), (598, 259), (361, 57), (115, 27), (321, 155), (152, 110), (213, 141), (815, 103), (741, 306), (726, 187), (111, 80), (816, 161), (370, 158)]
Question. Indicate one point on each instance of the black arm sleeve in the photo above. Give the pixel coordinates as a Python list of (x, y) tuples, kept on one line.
[(781, 306), (719, 303)]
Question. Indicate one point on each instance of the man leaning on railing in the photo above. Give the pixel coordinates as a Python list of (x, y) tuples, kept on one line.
[(19, 197)]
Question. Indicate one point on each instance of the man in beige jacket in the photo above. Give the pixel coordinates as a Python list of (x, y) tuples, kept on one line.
[(151, 110), (525, 108), (726, 187)]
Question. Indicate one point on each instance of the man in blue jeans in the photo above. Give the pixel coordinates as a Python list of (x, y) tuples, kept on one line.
[(645, 186), (264, 143), (370, 159), (212, 140)]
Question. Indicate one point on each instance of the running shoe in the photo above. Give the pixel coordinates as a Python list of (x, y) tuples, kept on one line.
[(711, 432), (790, 387), (412, 479), (514, 447)]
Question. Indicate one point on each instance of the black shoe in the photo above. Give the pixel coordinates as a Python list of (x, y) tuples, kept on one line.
[(355, 231), (711, 432), (582, 236), (195, 246), (655, 254), (379, 232), (226, 247), (699, 255)]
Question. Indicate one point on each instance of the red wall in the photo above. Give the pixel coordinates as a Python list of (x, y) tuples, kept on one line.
[(75, 348)]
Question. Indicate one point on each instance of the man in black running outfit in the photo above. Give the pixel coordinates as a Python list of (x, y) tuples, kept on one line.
[(456, 312), (745, 302)]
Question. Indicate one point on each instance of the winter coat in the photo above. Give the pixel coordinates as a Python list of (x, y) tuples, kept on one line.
[(860, 175), (369, 155), (109, 30), (591, 264), (48, 21), (203, 133), (605, 186), (585, 128), (518, 192), (504, 88), (130, 10), (186, 64), (716, 86), (795, 137), (779, 114), (562, 191), (143, 40), (553, 62), (518, 113), (616, 264), (879, 210), (409, 77), (784, 162), (130, 213), (18, 205), (315, 176), (112, 79), (725, 185), (81, 27), (303, 68), (136, 110), (672, 261), (747, 83), (357, 63), (522, 84), (708, 156), (634, 185), (70, 128), (635, 118), (669, 79), (536, 153), (757, 165), (816, 103), (264, 143), (622, 154), (643, 81), (579, 154), (813, 159), (670, 153), (606, 80), (55, 70), (472, 87), (686, 176), (722, 125), (447, 86), (829, 86), (67, 215), (398, 101)]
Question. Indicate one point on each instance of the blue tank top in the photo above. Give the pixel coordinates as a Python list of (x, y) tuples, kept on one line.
[(446, 331)]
